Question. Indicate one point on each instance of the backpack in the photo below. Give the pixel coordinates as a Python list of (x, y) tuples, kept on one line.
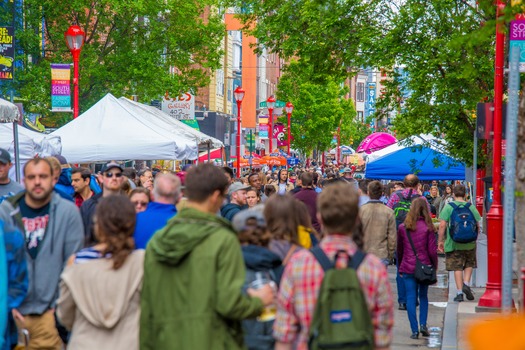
[(463, 225), (402, 207), (341, 318)]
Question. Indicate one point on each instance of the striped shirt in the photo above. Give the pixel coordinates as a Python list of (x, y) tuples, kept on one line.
[(88, 254), (300, 286)]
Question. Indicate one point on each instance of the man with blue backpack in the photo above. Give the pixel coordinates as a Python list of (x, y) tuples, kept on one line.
[(458, 232)]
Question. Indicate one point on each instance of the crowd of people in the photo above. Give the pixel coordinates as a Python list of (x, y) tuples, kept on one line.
[(199, 259)]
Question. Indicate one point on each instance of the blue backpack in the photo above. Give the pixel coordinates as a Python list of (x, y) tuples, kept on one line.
[(463, 225)]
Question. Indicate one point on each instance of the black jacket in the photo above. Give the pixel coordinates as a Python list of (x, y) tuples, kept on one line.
[(258, 335), (87, 211)]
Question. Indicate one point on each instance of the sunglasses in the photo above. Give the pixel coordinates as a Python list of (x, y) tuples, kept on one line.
[(142, 204), (110, 174)]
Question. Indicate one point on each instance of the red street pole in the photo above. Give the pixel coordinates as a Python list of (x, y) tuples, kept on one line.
[(270, 116), (492, 296), (338, 150), (238, 146), (288, 127), (76, 59)]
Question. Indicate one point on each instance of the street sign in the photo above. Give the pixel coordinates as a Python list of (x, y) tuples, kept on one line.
[(278, 104), (517, 39)]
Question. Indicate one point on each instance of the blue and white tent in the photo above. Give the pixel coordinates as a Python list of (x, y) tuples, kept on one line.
[(421, 155)]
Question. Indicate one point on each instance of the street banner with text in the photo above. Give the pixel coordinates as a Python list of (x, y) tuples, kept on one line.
[(60, 87), (7, 53)]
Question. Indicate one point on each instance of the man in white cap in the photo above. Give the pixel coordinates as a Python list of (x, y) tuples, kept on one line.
[(8, 187), (237, 193)]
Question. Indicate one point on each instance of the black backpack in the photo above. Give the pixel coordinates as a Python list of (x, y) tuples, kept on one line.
[(402, 207)]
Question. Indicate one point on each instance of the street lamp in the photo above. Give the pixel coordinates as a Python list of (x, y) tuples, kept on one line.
[(75, 40), (491, 299), (289, 110), (270, 104), (239, 95)]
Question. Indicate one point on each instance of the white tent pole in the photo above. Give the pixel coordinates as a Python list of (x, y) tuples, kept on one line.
[(17, 147)]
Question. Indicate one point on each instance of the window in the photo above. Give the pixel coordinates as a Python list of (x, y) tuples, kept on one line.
[(360, 116), (360, 93)]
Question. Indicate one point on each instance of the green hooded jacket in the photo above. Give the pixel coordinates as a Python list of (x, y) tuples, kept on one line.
[(192, 292)]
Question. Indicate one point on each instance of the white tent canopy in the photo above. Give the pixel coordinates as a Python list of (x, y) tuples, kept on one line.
[(114, 129), (31, 144), (178, 126)]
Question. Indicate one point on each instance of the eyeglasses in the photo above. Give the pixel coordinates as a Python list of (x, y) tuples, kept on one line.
[(138, 203), (110, 174)]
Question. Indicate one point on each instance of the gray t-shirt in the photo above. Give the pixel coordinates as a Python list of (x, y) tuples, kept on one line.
[(9, 189)]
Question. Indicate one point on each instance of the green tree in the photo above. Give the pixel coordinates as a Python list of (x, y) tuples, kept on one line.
[(320, 107), (444, 47), (139, 47)]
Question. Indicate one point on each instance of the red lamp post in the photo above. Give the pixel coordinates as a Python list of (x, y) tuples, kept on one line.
[(289, 110), (239, 95), (75, 40), (270, 104), (492, 296)]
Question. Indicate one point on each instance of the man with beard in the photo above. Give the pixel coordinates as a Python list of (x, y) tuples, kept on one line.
[(237, 193), (8, 187), (53, 231)]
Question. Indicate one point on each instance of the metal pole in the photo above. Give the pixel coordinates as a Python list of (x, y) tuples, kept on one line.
[(208, 146), (238, 146), (475, 167), (492, 297), (338, 150), (250, 149), (76, 59), (15, 139), (510, 178)]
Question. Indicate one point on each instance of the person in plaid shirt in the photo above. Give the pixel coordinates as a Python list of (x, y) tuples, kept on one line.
[(337, 209)]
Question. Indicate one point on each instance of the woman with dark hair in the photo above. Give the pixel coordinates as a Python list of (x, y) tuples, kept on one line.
[(448, 196), (419, 228), (252, 197), (289, 223), (145, 177), (140, 198), (261, 265), (100, 288)]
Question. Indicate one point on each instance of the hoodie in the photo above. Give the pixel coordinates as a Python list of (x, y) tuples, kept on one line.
[(101, 305), (193, 277), (229, 210), (63, 236)]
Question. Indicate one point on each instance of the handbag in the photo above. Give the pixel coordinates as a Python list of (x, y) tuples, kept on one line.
[(424, 274)]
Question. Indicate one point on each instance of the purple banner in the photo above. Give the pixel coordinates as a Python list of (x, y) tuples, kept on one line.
[(517, 29)]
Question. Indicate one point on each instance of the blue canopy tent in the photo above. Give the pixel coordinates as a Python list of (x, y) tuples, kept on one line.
[(426, 163)]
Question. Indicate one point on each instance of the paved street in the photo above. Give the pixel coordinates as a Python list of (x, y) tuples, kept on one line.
[(437, 296)]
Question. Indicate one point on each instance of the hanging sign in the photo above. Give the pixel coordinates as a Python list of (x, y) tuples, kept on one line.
[(60, 87), (7, 53)]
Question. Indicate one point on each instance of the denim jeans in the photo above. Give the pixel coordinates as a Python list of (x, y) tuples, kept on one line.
[(401, 292), (413, 290)]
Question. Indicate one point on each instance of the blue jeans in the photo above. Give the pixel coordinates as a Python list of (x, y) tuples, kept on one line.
[(413, 290), (401, 292)]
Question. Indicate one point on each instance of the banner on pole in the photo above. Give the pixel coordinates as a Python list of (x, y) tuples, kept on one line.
[(7, 53), (60, 87)]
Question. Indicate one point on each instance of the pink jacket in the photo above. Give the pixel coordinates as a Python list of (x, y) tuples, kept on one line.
[(424, 242)]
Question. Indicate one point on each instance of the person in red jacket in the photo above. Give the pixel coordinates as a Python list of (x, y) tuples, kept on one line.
[(418, 224)]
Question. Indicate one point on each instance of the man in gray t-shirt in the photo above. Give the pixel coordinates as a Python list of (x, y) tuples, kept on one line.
[(8, 187)]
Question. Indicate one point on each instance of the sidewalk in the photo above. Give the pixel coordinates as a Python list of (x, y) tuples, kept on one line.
[(459, 316)]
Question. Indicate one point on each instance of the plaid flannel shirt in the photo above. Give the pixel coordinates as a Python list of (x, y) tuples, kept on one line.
[(300, 286)]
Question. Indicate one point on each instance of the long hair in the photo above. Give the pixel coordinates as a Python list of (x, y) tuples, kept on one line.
[(418, 209), (281, 221), (114, 226)]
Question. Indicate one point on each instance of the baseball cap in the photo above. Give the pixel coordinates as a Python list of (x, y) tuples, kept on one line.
[(61, 159), (5, 157), (237, 186), (111, 165), (239, 221)]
